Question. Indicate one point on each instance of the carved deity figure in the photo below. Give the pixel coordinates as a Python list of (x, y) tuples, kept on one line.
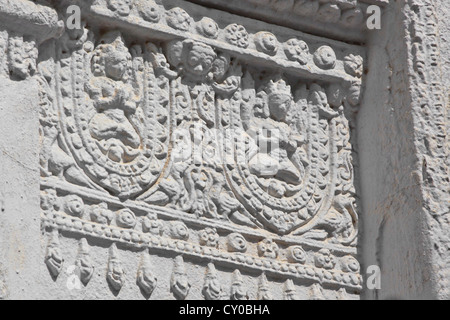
[(275, 140), (115, 99)]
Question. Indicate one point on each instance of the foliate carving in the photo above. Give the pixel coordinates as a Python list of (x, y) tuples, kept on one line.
[(306, 7), (19, 55), (84, 262), (49, 200), (236, 243), (297, 254), (149, 10), (212, 289), (22, 55), (101, 214), (329, 12), (350, 264), (324, 259), (115, 272), (209, 237), (179, 283), (353, 65), (242, 38), (352, 17), (342, 294), (53, 255), (316, 292), (179, 146), (146, 280), (178, 230), (151, 224), (297, 50), (237, 35), (126, 219)]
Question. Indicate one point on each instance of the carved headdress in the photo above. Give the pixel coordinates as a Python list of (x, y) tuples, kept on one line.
[(111, 46), (278, 91)]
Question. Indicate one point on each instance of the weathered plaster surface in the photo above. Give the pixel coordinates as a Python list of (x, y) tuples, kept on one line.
[(403, 147)]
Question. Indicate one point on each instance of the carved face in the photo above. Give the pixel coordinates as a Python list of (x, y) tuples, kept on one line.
[(279, 105), (200, 59), (116, 63)]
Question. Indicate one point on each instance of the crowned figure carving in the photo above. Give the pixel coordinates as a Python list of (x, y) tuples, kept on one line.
[(275, 141), (114, 99)]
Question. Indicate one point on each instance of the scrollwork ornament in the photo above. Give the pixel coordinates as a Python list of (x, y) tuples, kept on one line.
[(125, 218), (236, 243), (212, 289), (263, 288), (297, 254), (73, 205)]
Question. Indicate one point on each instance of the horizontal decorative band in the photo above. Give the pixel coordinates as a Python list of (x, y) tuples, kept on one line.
[(251, 41), (141, 209), (62, 222)]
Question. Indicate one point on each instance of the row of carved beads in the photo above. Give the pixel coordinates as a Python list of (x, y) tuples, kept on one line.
[(180, 286), (266, 42)]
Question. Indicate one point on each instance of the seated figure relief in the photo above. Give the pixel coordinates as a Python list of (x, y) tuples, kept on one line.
[(275, 140), (115, 100)]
